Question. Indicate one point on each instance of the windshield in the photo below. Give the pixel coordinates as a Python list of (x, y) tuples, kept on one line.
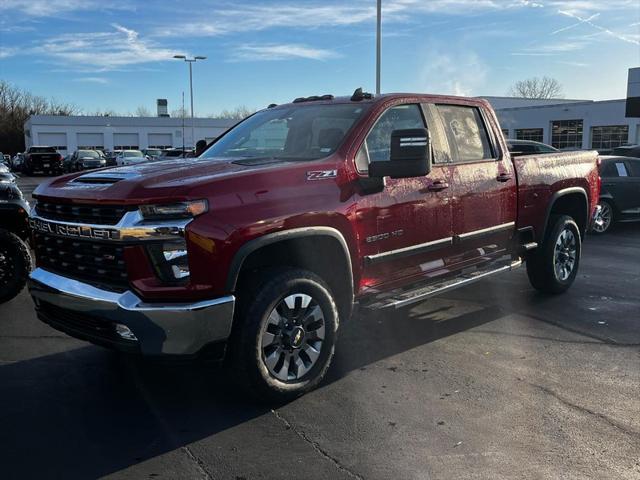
[(88, 153), (132, 153), (304, 132)]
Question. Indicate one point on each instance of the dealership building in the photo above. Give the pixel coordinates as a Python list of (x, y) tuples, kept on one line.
[(68, 133), (573, 124)]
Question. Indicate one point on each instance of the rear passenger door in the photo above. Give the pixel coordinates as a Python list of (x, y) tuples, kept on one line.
[(483, 184)]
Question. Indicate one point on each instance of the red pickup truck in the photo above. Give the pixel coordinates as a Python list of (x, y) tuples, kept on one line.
[(259, 248)]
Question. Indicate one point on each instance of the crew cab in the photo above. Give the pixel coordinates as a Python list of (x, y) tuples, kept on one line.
[(258, 249), (42, 159)]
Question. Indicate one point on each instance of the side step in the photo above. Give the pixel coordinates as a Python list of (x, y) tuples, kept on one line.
[(402, 298)]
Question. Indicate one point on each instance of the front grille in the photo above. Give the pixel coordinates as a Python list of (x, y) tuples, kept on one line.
[(99, 263), (69, 212), (84, 326)]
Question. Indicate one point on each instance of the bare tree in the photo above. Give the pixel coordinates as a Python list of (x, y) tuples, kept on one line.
[(143, 111), (536, 87), (237, 113), (179, 113), (16, 106)]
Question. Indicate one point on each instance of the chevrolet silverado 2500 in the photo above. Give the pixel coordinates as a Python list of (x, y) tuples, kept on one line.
[(259, 248)]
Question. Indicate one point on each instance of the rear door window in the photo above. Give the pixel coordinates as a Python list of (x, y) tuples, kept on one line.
[(466, 132)]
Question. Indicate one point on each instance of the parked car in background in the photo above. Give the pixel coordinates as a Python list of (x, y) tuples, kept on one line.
[(16, 162), (86, 160), (627, 151), (110, 156), (258, 248), (130, 157), (529, 147), (171, 153), (42, 159), (15, 256), (620, 193), (152, 153)]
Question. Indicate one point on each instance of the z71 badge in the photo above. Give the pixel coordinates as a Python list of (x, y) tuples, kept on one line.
[(322, 174)]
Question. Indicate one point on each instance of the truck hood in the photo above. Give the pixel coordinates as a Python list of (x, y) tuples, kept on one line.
[(147, 182)]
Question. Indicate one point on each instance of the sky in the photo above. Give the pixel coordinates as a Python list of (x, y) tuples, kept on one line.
[(117, 54)]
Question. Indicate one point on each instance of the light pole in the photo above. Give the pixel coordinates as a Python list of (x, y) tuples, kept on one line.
[(190, 61), (378, 45)]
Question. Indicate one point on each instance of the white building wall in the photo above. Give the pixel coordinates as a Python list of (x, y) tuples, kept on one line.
[(593, 114), (40, 128)]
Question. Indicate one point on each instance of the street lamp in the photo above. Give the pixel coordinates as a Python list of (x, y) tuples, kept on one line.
[(190, 61), (378, 45)]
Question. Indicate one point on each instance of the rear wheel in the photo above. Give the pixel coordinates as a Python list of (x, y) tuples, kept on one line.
[(15, 265), (553, 267), (284, 334), (605, 219)]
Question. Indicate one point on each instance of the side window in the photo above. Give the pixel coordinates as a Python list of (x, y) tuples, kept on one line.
[(466, 133), (635, 168), (615, 170), (377, 145)]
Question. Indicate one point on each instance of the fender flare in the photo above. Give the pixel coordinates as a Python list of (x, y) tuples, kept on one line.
[(563, 193), (252, 245)]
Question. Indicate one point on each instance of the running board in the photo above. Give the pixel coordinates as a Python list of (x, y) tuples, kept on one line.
[(401, 299)]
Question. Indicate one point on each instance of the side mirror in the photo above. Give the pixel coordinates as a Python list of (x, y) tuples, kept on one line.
[(410, 155)]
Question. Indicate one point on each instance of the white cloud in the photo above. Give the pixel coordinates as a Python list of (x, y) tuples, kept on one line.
[(100, 80), (102, 51), (6, 52), (280, 52), (51, 8), (616, 35), (459, 72), (308, 15)]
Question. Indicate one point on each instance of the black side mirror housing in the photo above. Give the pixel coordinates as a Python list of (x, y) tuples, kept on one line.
[(410, 155)]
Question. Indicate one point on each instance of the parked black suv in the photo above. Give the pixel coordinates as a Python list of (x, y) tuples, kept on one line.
[(15, 256)]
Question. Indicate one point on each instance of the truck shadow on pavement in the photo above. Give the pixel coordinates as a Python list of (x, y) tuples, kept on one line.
[(86, 413)]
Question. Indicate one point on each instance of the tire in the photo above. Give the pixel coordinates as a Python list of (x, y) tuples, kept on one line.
[(605, 221), (15, 265), (553, 267), (262, 346)]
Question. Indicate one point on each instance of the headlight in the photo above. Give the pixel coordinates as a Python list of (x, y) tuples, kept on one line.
[(170, 260), (174, 210)]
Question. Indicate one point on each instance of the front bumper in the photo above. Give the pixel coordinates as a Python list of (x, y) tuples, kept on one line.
[(89, 313)]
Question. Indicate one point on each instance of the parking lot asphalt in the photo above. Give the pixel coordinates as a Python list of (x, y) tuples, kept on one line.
[(491, 381)]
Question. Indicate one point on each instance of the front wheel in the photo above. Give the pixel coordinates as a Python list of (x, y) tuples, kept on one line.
[(15, 265), (284, 334), (552, 268)]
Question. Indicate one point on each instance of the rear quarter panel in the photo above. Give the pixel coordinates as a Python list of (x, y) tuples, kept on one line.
[(541, 176)]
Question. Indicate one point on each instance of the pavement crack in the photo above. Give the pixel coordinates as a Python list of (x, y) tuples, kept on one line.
[(202, 466), (588, 411), (316, 446)]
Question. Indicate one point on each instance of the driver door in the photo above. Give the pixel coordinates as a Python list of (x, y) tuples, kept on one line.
[(407, 227)]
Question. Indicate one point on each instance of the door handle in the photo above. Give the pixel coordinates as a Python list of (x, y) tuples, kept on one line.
[(438, 186), (504, 177)]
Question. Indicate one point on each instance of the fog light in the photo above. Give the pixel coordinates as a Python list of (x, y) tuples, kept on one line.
[(125, 332), (175, 254)]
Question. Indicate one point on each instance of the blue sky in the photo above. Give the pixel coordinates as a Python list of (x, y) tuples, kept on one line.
[(116, 54)]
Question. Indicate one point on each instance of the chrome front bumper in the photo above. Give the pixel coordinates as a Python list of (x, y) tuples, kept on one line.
[(90, 313)]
